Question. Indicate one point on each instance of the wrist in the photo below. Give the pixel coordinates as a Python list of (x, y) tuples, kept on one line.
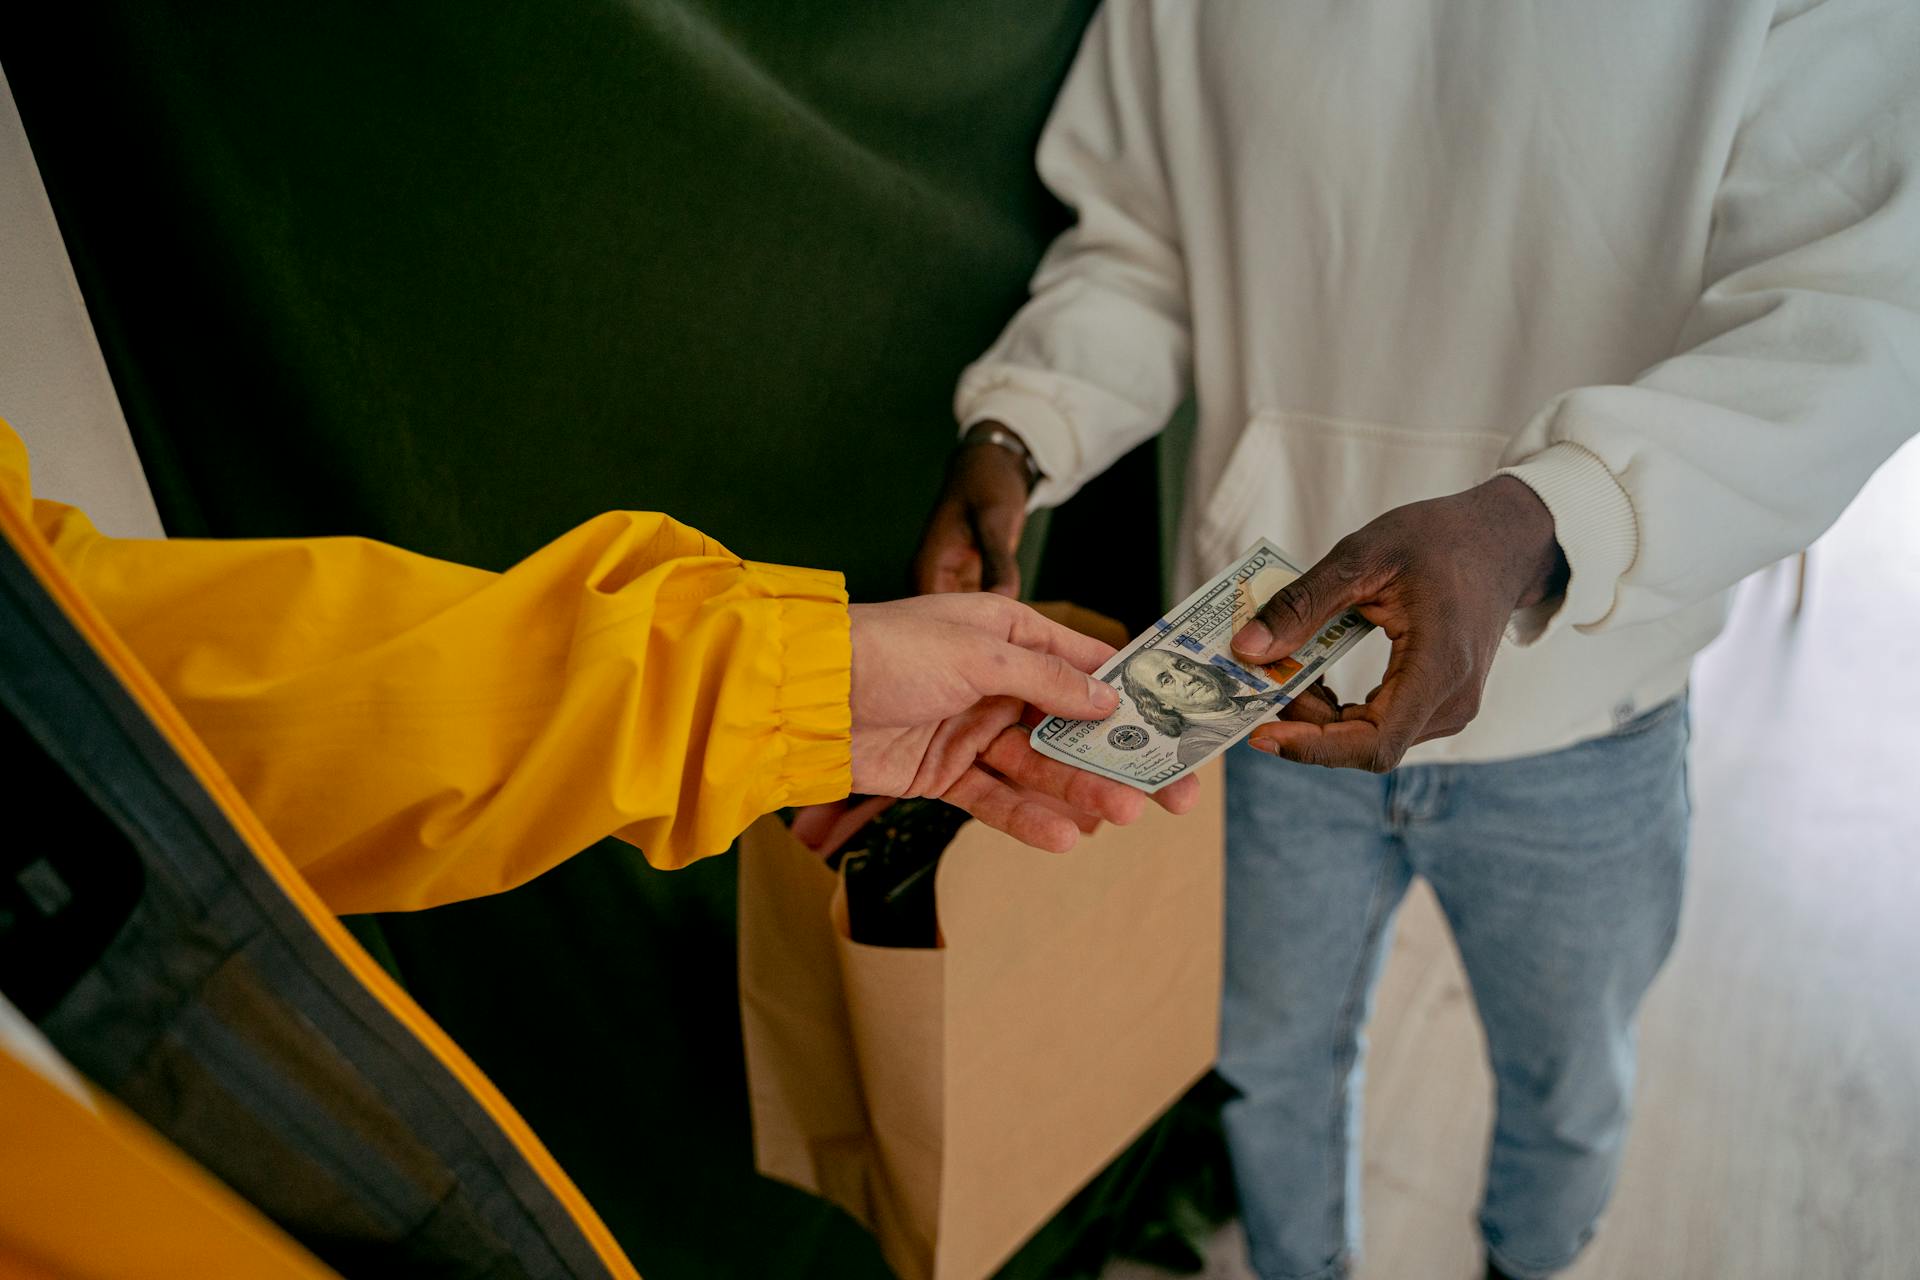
[(987, 439), (1537, 565)]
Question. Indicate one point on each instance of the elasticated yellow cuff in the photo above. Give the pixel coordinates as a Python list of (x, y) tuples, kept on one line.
[(812, 703)]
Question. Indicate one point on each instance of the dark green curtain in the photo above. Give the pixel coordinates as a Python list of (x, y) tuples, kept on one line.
[(462, 276), (459, 277)]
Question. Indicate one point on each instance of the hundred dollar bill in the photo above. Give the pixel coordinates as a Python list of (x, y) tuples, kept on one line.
[(1184, 697)]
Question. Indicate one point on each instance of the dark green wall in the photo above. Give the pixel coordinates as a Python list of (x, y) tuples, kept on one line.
[(461, 276)]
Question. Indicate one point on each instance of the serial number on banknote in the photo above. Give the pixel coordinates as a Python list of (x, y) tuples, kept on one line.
[(1184, 698)]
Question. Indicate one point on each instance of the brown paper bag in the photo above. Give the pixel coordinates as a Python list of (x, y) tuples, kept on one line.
[(953, 1099)]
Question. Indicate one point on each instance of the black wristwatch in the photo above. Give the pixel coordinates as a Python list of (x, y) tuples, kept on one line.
[(994, 434)]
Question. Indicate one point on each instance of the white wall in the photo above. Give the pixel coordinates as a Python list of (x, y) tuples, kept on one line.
[(54, 388)]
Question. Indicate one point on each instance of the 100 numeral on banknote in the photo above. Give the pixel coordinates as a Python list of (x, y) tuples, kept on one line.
[(1184, 698)]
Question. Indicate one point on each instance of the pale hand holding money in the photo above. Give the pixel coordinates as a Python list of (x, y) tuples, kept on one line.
[(1184, 698)]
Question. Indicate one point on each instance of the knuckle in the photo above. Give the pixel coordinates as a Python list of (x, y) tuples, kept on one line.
[(1350, 548), (1352, 558), (996, 664), (1362, 554), (1388, 751), (1120, 807), (1293, 606), (1466, 660), (1312, 753)]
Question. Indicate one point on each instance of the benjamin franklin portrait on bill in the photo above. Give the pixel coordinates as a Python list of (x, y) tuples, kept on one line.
[(1198, 705)]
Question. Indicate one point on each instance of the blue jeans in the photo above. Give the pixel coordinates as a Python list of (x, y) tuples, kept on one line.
[(1560, 876)]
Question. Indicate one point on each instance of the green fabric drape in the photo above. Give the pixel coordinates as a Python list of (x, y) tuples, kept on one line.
[(459, 277), (462, 276)]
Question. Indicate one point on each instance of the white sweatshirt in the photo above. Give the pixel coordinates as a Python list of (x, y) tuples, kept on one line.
[(1660, 259)]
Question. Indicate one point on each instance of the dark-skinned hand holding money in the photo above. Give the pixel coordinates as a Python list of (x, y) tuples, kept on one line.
[(1441, 578)]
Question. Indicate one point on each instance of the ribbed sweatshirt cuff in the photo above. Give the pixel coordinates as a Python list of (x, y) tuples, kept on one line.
[(1041, 426), (1594, 522), (812, 705)]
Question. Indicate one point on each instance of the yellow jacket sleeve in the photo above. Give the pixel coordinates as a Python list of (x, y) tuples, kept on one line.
[(415, 732)]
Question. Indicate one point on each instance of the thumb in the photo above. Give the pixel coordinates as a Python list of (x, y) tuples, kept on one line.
[(996, 531), (1298, 610), (1050, 683)]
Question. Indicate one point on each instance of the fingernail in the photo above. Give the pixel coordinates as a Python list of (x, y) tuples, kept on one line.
[(1103, 694), (1264, 744), (1255, 637)]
